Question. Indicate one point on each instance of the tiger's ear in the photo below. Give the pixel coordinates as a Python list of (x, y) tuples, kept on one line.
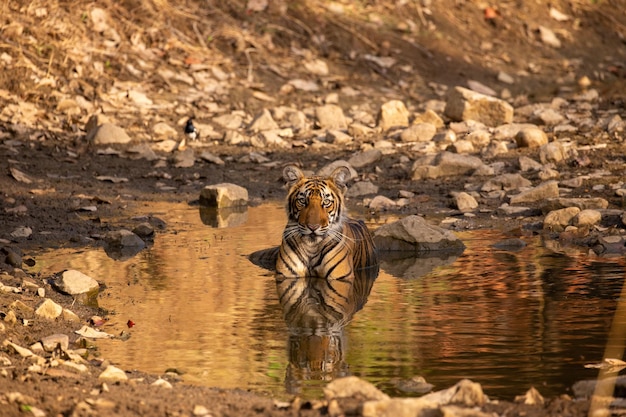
[(341, 175), (292, 174)]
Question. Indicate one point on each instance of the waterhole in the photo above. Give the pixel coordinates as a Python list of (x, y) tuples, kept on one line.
[(508, 319)]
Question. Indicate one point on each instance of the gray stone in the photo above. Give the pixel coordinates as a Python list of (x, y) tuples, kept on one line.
[(464, 104), (124, 239), (413, 233), (361, 188), (555, 152), (224, 195), (393, 114), (368, 157), (464, 392), (543, 191), (74, 282), (430, 117), (479, 138), (184, 159)]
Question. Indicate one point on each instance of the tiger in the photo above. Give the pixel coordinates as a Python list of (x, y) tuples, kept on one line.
[(320, 239)]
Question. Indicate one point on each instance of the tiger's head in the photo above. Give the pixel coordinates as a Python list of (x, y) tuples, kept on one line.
[(315, 205)]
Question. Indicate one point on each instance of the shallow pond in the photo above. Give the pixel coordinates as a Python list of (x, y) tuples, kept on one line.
[(506, 319)]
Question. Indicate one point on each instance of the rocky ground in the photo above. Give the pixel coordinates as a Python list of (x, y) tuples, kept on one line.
[(94, 100)]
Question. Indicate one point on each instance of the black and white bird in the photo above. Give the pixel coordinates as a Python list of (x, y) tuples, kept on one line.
[(190, 130)]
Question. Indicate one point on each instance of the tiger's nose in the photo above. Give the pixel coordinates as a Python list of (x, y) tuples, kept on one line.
[(313, 227)]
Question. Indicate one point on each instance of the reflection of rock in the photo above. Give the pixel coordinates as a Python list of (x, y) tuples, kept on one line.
[(123, 244), (221, 218), (408, 265), (415, 234)]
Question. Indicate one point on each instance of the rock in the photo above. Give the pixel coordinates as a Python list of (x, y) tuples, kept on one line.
[(548, 37), (557, 220), (587, 217), (531, 137), (144, 231), (421, 132), (365, 158), (555, 152), (113, 374), (414, 234), (446, 164), (163, 130), (326, 170), (359, 130), (464, 104), (330, 116), (582, 203), (124, 238), (230, 121), (162, 383), (479, 138), (338, 137), (505, 182), (93, 123), (430, 117), (22, 232), (224, 195), (353, 387), (393, 114), (212, 158), (381, 202), (461, 146), (528, 164), (361, 188), (543, 191), (464, 392), (401, 407), (184, 159), (465, 202), (263, 121), (316, 67), (74, 282), (107, 134), (48, 309), (51, 342)]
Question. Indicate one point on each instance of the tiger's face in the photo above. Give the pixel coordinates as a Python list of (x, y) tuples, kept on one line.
[(315, 204)]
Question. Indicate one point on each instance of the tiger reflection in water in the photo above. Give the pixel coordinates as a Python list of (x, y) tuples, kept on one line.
[(326, 266)]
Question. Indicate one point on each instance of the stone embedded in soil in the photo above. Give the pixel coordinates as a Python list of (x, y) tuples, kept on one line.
[(124, 239), (557, 220), (330, 116), (48, 309), (51, 342), (365, 158), (465, 203)]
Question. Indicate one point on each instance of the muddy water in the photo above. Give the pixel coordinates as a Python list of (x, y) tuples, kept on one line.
[(506, 319)]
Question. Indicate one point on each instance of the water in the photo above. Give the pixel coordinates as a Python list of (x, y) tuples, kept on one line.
[(506, 319)]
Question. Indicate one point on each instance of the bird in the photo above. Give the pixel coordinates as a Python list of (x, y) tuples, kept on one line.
[(190, 130)]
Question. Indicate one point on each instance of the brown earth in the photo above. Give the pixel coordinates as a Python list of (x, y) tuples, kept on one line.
[(445, 43)]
